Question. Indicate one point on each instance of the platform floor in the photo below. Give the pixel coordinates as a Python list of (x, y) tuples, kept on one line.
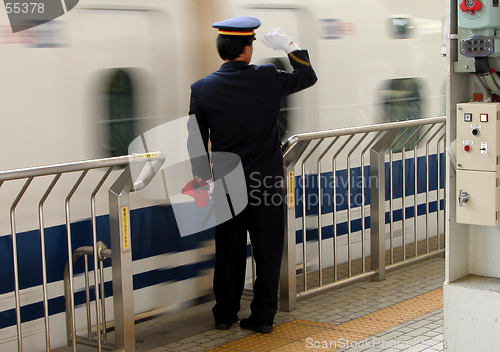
[(402, 313)]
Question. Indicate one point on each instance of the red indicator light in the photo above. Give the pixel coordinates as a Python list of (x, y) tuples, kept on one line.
[(483, 117), (471, 6), (467, 148)]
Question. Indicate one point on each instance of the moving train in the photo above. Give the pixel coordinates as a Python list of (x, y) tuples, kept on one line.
[(88, 83)]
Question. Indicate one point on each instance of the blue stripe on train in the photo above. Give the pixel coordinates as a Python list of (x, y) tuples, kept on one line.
[(57, 305), (327, 231), (326, 179), (154, 232)]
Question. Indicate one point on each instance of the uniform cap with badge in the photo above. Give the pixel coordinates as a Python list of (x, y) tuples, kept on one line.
[(240, 26)]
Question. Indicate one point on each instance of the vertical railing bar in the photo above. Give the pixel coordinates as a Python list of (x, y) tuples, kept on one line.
[(403, 156), (403, 200), (44, 260), (320, 221), (415, 201), (427, 195), (103, 302), (349, 217), (304, 213), (363, 212), (15, 261), (378, 204), (391, 204), (95, 253), (288, 276), (334, 227), (304, 229), (320, 226), (70, 255), (415, 196), (334, 213), (428, 187), (438, 209), (87, 297), (391, 200)]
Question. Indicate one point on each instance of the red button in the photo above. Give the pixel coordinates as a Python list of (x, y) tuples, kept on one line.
[(471, 6), (467, 148)]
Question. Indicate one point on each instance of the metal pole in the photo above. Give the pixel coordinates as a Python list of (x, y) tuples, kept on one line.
[(391, 196), (320, 220), (415, 192), (438, 208), (403, 199), (71, 325), (305, 206), (334, 212), (363, 197), (44, 261), (87, 296), (121, 260), (428, 188), (377, 204), (288, 274), (349, 206), (15, 262), (98, 312)]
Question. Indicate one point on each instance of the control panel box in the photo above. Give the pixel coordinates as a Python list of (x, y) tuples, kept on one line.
[(477, 157), (477, 204), (478, 14), (477, 131)]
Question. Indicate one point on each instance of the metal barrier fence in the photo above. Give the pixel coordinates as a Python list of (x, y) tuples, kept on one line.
[(379, 184), (143, 167)]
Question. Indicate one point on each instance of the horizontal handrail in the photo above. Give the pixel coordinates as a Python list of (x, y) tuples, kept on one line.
[(308, 136), (79, 166), (327, 195), (139, 170)]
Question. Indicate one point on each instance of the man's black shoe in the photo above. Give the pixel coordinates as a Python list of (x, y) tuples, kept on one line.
[(226, 326), (248, 324)]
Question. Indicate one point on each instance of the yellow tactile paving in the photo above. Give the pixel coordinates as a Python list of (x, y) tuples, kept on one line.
[(299, 335), (334, 336), (366, 326), (294, 330), (296, 346), (256, 343), (394, 315), (318, 324)]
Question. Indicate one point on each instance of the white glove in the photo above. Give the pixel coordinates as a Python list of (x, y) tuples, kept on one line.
[(276, 40)]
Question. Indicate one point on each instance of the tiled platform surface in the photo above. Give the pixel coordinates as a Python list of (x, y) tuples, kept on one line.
[(345, 313)]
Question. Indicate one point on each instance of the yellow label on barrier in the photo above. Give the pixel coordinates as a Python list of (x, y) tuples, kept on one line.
[(291, 201), (147, 155), (125, 228)]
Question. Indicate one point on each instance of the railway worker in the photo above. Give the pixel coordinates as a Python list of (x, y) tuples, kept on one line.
[(237, 108)]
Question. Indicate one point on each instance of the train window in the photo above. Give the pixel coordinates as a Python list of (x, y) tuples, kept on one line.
[(401, 28), (120, 121), (401, 100)]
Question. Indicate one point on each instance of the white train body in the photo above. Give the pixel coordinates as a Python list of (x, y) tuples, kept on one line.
[(64, 81)]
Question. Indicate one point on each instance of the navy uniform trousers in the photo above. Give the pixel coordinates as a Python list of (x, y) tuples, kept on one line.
[(237, 108)]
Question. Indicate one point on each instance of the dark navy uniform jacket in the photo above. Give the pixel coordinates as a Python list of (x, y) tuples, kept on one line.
[(237, 108)]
